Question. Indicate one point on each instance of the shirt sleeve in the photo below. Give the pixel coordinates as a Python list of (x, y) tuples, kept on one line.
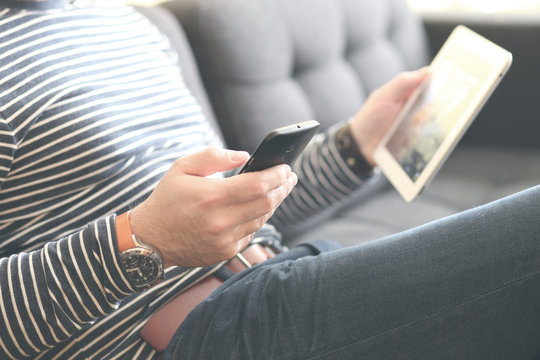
[(8, 145), (324, 181), (50, 294)]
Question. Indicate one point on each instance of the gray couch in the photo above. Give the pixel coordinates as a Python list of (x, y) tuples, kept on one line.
[(266, 63)]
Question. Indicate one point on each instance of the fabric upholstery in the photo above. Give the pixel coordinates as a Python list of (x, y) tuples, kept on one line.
[(268, 63)]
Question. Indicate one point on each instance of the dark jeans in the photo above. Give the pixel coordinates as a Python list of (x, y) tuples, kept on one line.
[(464, 287)]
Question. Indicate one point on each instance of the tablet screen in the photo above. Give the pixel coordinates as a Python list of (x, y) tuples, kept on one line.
[(438, 108)]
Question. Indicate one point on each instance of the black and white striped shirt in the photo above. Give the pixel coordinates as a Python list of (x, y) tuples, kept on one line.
[(93, 111)]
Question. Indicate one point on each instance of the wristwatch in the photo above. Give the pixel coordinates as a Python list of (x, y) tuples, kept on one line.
[(143, 264)]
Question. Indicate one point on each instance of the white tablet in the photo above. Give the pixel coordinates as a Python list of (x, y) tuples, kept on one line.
[(463, 75)]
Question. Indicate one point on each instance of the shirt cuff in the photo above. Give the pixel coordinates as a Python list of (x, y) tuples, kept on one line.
[(350, 152)]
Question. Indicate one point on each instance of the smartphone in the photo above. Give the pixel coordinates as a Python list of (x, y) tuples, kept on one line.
[(281, 146)]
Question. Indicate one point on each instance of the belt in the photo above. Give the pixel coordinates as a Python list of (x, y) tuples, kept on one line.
[(162, 325)]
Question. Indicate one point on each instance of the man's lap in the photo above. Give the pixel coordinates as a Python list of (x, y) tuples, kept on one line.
[(447, 285)]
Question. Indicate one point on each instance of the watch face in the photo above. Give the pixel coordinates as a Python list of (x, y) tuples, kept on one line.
[(143, 267)]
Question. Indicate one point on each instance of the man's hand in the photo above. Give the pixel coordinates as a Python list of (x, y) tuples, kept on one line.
[(380, 110), (198, 221)]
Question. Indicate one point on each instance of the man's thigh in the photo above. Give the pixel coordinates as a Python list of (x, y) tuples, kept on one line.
[(465, 286)]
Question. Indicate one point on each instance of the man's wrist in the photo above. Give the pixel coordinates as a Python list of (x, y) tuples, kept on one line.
[(350, 151), (142, 263), (126, 237)]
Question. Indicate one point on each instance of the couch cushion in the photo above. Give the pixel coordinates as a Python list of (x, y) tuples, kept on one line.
[(267, 63), (472, 176)]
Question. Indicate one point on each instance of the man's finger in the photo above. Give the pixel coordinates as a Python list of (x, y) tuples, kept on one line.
[(262, 206), (250, 186), (211, 161), (250, 227), (402, 86)]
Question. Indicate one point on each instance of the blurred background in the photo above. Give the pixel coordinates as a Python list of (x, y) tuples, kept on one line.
[(515, 25), (478, 6)]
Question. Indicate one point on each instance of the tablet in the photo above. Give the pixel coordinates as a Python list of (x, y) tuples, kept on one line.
[(463, 75)]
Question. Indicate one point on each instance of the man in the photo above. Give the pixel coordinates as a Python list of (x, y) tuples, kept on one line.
[(96, 119)]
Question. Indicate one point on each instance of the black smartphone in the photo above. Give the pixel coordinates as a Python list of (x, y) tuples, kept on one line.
[(281, 146)]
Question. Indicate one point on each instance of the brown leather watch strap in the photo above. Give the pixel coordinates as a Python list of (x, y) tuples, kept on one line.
[(123, 232)]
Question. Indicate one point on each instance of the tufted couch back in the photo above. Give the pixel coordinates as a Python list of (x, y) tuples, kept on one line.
[(267, 63)]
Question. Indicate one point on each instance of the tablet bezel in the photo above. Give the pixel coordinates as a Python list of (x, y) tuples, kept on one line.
[(461, 39)]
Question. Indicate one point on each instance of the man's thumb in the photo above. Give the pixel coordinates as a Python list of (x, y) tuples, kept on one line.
[(211, 161), (403, 85)]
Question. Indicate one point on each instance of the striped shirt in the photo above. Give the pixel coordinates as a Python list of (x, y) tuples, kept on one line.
[(93, 111)]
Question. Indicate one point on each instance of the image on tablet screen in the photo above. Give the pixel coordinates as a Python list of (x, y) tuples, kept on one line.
[(432, 117)]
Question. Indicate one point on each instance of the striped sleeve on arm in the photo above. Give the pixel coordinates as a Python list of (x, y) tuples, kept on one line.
[(7, 149), (48, 295), (324, 180)]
